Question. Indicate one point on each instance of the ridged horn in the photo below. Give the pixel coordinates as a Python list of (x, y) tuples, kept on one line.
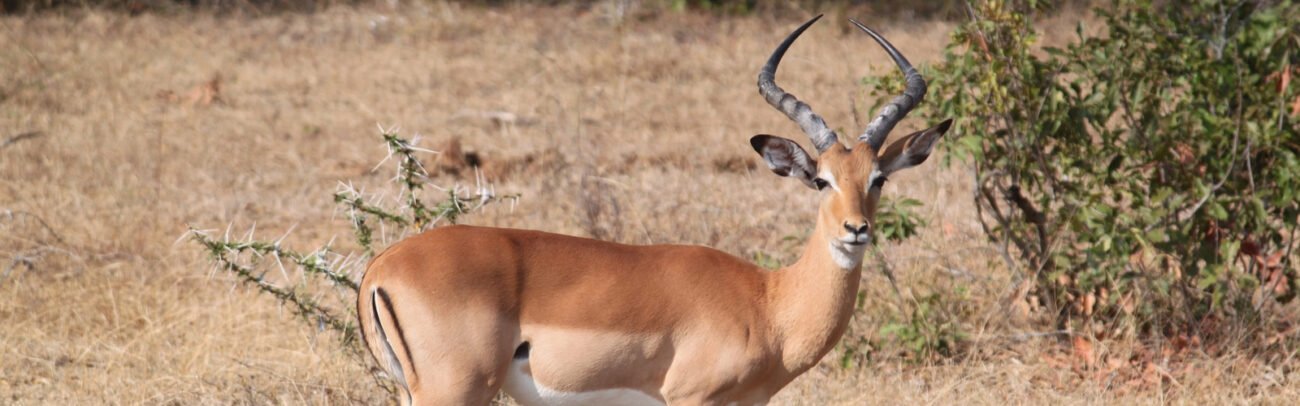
[(879, 128), (798, 111)]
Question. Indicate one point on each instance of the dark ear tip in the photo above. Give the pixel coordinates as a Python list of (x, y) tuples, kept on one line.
[(943, 127)]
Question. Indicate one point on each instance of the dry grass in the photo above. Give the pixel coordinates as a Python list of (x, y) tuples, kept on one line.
[(633, 131)]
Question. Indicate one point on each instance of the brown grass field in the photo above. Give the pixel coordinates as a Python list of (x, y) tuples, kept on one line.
[(631, 129)]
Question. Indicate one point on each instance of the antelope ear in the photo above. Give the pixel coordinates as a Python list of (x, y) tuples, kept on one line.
[(911, 150), (786, 158)]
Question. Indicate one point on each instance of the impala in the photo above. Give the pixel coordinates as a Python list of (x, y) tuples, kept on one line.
[(456, 314)]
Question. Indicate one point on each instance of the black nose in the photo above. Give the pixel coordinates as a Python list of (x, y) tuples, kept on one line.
[(859, 228)]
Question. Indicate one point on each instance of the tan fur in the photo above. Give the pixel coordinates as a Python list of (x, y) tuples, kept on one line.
[(683, 324)]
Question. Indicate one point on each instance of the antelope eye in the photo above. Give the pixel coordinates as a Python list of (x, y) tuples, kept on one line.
[(820, 183)]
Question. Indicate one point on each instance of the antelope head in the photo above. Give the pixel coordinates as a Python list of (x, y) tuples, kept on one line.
[(849, 175)]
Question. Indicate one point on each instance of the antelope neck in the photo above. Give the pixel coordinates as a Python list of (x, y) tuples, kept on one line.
[(812, 302)]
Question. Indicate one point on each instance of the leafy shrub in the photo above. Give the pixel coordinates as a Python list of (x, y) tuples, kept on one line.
[(895, 219), (1147, 179), (930, 329)]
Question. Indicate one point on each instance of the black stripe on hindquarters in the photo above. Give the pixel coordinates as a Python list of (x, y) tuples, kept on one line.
[(397, 325)]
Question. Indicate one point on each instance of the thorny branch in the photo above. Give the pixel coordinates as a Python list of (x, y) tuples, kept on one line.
[(242, 258), (225, 254)]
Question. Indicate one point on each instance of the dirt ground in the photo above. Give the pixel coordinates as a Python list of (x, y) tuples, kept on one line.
[(125, 130)]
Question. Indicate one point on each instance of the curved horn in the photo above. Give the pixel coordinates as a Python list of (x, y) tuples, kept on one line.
[(880, 127), (811, 123)]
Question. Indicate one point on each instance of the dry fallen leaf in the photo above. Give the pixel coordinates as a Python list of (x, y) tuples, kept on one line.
[(1273, 260), (1083, 351), (202, 94), (1186, 155), (1278, 279), (1019, 302), (1127, 303), (1286, 80), (1054, 361), (206, 93)]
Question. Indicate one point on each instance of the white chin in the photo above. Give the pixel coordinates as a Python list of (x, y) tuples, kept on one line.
[(847, 256)]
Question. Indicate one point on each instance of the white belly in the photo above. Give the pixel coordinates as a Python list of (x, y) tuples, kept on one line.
[(527, 391)]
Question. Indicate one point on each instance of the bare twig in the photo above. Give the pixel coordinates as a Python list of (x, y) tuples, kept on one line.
[(24, 47), (28, 259), (14, 214), (1032, 215), (887, 270), (1236, 133), (20, 137), (18, 260), (1020, 337), (984, 225)]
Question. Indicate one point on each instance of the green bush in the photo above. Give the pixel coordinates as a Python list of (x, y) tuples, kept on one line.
[(895, 219), (1145, 180), (930, 329)]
